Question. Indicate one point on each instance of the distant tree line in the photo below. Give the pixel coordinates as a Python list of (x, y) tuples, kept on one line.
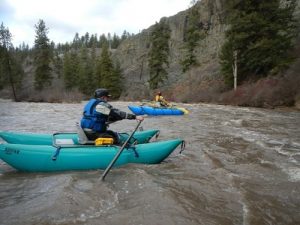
[(83, 64), (85, 70), (87, 63), (92, 40)]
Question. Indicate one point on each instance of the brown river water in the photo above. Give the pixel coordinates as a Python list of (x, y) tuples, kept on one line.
[(240, 166)]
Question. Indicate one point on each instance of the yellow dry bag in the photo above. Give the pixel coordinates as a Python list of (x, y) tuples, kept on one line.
[(104, 141)]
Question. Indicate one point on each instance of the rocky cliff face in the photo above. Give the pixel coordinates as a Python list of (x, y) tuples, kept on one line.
[(202, 82), (132, 55)]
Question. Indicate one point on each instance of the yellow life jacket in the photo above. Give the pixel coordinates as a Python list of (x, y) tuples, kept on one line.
[(158, 98)]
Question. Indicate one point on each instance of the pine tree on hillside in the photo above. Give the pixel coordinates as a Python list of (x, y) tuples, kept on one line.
[(102, 41), (22, 51), (70, 69), (261, 33), (125, 35), (97, 74), (194, 31), (106, 66), (92, 68), (42, 57), (85, 72), (107, 76), (87, 39), (90, 82), (67, 71), (10, 69), (58, 64), (16, 71), (5, 45), (115, 42), (93, 41), (116, 88), (76, 44), (159, 53)]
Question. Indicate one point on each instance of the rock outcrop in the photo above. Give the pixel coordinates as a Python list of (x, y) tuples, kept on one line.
[(202, 82), (133, 55)]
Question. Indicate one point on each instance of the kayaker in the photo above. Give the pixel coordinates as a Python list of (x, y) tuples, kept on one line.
[(98, 113), (160, 101)]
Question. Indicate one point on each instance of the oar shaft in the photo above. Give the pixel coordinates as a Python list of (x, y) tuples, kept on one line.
[(119, 153)]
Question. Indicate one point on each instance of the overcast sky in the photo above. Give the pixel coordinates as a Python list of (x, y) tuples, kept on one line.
[(66, 17)]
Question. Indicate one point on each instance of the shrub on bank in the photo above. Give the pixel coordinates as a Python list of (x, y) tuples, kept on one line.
[(267, 92)]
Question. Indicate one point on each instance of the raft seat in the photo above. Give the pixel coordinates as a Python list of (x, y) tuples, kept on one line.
[(82, 138)]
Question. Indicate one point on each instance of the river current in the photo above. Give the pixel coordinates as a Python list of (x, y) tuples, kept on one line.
[(240, 166)]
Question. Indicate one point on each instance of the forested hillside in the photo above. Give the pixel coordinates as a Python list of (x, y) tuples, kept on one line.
[(230, 52)]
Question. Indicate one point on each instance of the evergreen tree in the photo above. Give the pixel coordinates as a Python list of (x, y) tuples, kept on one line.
[(116, 88), (70, 69), (58, 63), (17, 71), (159, 53), (85, 71), (103, 41), (76, 42), (87, 39), (106, 75), (10, 70), (125, 35), (22, 51), (67, 71), (5, 45), (92, 68), (42, 57), (93, 41), (109, 41), (97, 74), (106, 67), (193, 32), (262, 33), (115, 42)]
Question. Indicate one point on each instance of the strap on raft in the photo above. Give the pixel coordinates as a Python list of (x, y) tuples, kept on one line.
[(56, 153), (182, 146), (132, 147), (157, 134)]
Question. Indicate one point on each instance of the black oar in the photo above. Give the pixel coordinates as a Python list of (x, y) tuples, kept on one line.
[(119, 153)]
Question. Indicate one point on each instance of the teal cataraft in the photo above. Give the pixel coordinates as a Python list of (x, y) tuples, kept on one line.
[(69, 138), (63, 155)]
